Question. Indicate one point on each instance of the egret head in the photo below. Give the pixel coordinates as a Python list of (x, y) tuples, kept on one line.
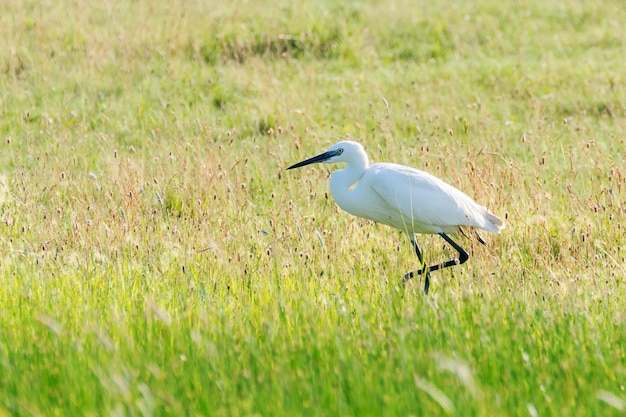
[(344, 151)]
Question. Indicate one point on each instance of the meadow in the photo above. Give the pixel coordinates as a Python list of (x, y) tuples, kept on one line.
[(157, 259)]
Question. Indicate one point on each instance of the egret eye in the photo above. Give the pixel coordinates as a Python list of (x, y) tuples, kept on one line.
[(340, 151)]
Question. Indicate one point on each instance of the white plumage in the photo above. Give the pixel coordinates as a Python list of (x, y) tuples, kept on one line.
[(406, 198)]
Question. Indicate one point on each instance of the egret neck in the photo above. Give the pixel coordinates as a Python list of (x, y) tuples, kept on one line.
[(344, 181)]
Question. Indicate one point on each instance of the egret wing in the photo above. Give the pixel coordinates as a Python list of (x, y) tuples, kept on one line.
[(419, 202)]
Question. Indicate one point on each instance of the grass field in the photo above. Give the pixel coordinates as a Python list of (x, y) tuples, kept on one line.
[(157, 259)]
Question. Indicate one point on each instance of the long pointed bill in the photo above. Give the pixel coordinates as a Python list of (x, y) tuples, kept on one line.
[(319, 158)]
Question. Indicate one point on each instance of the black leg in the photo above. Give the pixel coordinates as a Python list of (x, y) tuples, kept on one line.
[(424, 270), (463, 257), (480, 239)]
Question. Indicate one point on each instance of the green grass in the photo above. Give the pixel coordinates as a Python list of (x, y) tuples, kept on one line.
[(157, 259)]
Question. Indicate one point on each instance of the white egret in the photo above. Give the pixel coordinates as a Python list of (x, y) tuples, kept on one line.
[(406, 198)]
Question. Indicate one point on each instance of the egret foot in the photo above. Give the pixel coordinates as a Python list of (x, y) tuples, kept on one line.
[(463, 257), (424, 270), (411, 274)]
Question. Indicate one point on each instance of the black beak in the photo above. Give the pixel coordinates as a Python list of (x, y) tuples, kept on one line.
[(319, 158)]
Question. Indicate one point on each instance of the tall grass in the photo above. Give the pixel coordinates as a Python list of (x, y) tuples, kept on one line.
[(158, 260)]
